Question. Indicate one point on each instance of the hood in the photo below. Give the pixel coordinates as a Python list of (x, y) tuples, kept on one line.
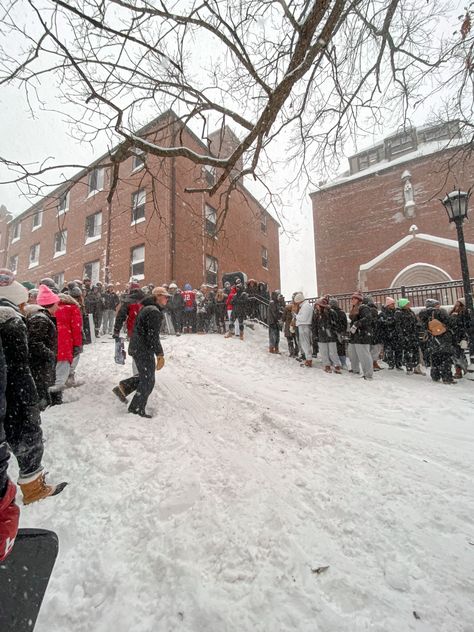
[(66, 299), (31, 309), (134, 296)]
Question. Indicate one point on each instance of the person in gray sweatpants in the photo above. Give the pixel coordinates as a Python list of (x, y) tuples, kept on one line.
[(304, 318), (361, 334)]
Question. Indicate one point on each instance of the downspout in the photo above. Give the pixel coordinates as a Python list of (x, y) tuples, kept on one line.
[(107, 242), (173, 213)]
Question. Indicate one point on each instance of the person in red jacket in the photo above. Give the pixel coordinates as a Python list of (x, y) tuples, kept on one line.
[(69, 326)]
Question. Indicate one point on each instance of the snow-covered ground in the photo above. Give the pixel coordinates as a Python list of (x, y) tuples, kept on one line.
[(215, 515)]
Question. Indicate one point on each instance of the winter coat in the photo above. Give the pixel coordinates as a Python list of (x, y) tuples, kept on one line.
[(43, 347), (21, 390), (110, 300), (201, 303), (131, 305), (305, 314), (387, 327), (230, 298), (361, 318), (459, 325), (146, 333), (326, 325), (407, 328), (274, 311), (288, 315), (341, 322), (93, 303), (175, 302), (437, 344), (239, 304), (69, 326), (189, 299)]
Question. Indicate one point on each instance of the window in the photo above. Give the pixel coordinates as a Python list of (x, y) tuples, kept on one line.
[(96, 180), (138, 160), (92, 270), (138, 262), (34, 255), (211, 220), (13, 265), (37, 219), (59, 279), (63, 205), (263, 222), (209, 174), (138, 206), (16, 232), (93, 227), (60, 240), (211, 270), (264, 257)]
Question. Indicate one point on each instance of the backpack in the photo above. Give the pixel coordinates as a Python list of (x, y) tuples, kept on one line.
[(436, 327)]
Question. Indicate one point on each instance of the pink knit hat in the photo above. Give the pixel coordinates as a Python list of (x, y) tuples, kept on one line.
[(389, 301), (46, 296)]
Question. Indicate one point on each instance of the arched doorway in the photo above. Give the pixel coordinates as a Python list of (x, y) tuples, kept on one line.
[(420, 274)]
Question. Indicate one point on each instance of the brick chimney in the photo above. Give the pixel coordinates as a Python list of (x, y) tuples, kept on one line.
[(223, 142)]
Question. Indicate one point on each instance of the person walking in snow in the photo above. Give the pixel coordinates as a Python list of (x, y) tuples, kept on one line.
[(406, 331), (304, 319), (22, 423), (144, 346), (274, 319), (360, 328), (326, 323), (43, 342), (435, 322), (175, 307)]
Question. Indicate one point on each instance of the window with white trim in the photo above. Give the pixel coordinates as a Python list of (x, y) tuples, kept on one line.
[(138, 160), (37, 219), (211, 220), (59, 279), (137, 262), (92, 271), (13, 263), (60, 241), (96, 180), (34, 255), (138, 206), (16, 232), (264, 257), (93, 227), (211, 270), (63, 204)]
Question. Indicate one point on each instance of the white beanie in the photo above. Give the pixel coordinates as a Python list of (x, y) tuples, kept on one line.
[(298, 297), (16, 293)]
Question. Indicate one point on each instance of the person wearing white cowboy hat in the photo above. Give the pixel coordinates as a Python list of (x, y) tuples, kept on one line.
[(22, 418)]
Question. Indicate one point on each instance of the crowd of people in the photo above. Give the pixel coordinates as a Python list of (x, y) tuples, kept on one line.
[(43, 330)]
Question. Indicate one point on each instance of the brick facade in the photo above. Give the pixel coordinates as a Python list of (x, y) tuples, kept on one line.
[(362, 215), (172, 229)]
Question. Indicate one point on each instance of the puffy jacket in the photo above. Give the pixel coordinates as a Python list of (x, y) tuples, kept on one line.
[(69, 326), (387, 325), (146, 333), (326, 324), (110, 300), (275, 311), (437, 344), (361, 318), (305, 314), (407, 327)]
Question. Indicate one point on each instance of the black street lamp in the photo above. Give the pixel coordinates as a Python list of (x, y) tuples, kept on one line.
[(456, 204)]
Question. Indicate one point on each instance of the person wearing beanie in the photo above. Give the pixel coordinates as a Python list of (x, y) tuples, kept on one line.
[(42, 342), (439, 341), (32, 294), (392, 349), (189, 309), (50, 284), (459, 324), (326, 324), (303, 321), (406, 331), (22, 422), (361, 336)]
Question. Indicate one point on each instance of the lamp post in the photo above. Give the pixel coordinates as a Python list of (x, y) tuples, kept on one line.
[(455, 204)]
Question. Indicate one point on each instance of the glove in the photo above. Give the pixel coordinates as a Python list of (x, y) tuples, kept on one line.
[(463, 344), (353, 329), (160, 362), (76, 351)]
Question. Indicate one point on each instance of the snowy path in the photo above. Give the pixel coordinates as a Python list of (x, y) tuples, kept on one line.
[(211, 516)]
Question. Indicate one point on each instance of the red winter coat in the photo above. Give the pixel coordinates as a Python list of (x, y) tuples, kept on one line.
[(228, 304), (69, 326), (132, 314), (9, 517)]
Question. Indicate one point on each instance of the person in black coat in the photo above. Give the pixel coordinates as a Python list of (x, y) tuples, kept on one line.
[(459, 323), (440, 345), (392, 350), (43, 347), (144, 346), (176, 307), (406, 330), (361, 336), (275, 313), (341, 328), (239, 308)]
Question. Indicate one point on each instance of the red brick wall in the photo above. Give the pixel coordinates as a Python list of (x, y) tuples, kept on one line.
[(357, 220)]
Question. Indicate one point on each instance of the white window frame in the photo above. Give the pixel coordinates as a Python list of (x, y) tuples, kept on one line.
[(210, 219), (140, 276), (99, 184), (36, 214), (97, 235), (59, 253), (264, 252), (138, 160), (94, 274), (59, 279), (212, 265), (33, 263), (136, 197), (13, 266), (63, 203), (16, 229)]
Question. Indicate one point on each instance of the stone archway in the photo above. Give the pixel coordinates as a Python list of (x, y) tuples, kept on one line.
[(420, 274)]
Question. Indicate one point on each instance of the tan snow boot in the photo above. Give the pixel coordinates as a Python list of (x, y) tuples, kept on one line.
[(34, 488), (241, 336), (271, 349), (327, 369), (308, 363)]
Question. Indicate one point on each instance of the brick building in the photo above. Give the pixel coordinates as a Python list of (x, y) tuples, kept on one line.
[(381, 224), (152, 229)]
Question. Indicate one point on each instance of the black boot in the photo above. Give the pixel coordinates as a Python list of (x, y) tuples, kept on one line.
[(56, 398)]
